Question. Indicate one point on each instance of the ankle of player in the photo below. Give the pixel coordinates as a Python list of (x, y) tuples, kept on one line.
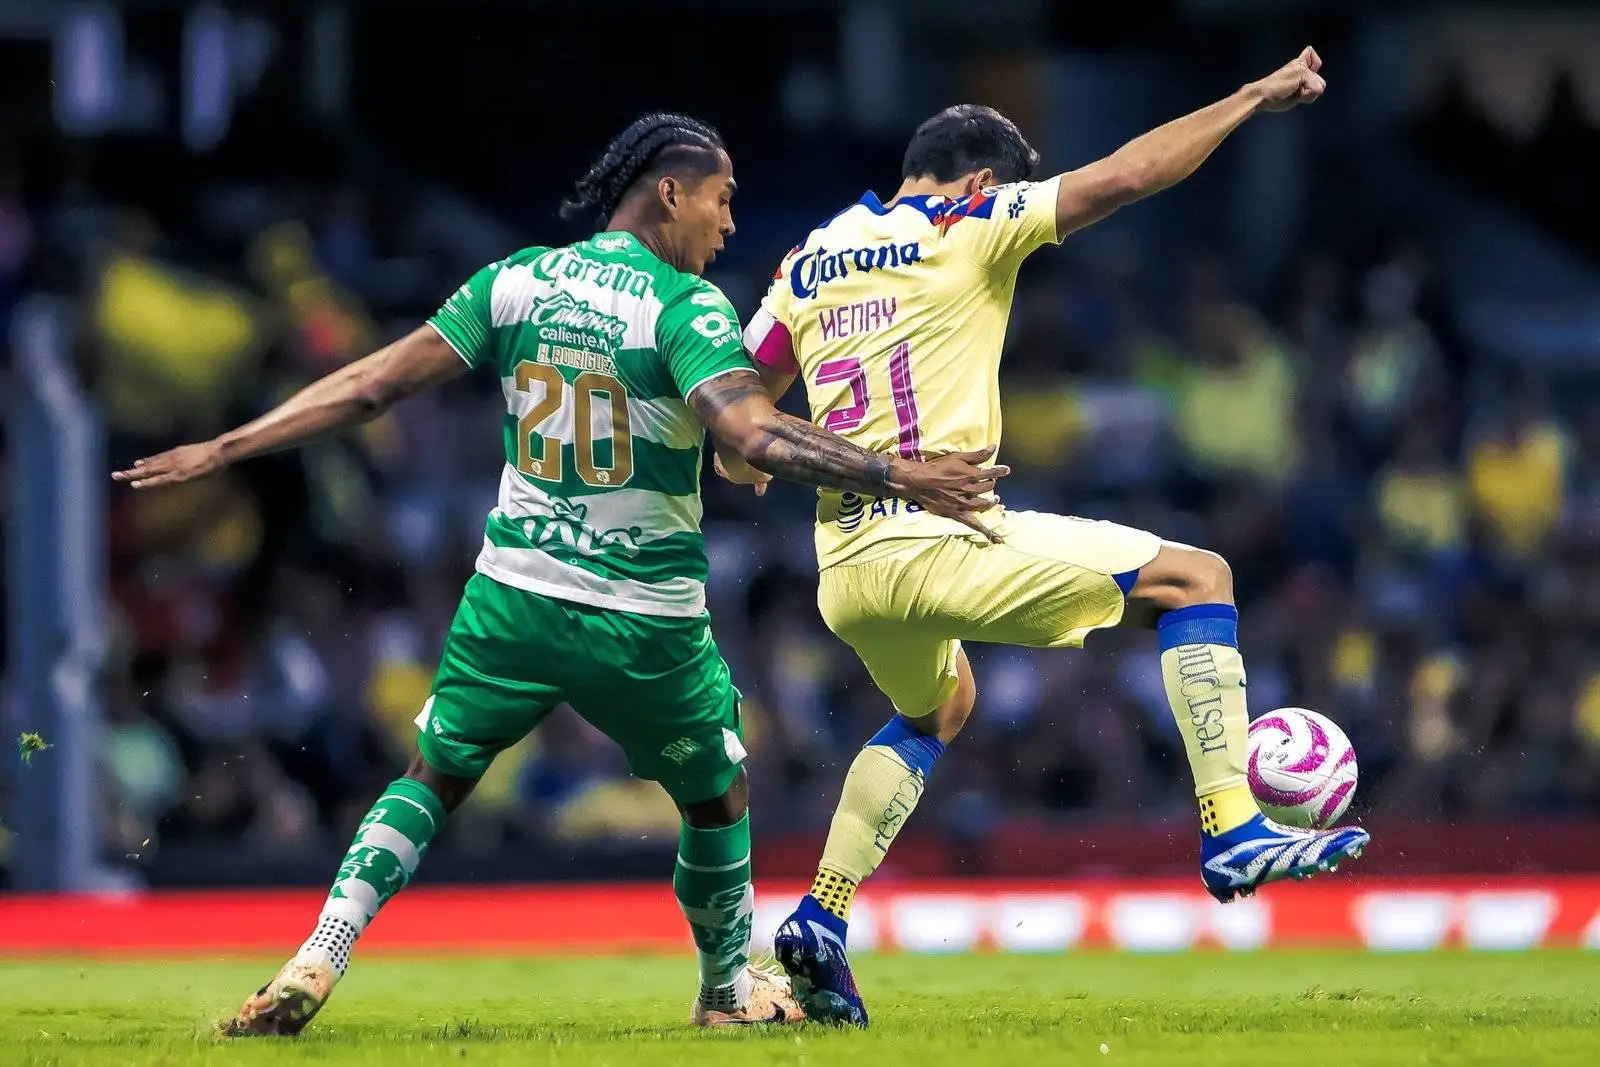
[(1227, 807)]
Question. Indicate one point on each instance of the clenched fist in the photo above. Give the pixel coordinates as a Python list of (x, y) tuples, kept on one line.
[(1296, 82)]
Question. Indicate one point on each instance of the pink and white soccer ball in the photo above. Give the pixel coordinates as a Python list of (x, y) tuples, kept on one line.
[(1302, 768)]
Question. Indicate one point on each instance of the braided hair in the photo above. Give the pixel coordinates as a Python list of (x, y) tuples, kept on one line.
[(654, 145)]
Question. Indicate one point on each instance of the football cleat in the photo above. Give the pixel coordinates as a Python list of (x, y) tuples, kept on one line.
[(283, 1006), (1240, 861), (771, 1001), (812, 952)]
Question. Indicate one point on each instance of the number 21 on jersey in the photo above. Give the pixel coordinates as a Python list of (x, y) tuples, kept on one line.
[(843, 419)]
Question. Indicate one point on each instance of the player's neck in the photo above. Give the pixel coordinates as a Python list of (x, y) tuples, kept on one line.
[(928, 187), (646, 234)]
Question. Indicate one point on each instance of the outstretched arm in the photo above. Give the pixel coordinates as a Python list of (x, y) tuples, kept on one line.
[(737, 410), (1168, 154), (355, 393)]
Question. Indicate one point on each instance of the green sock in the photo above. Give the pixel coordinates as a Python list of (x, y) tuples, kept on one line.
[(712, 883), (389, 844)]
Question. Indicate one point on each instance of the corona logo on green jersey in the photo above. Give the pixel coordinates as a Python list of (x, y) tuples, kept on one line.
[(568, 525), (567, 265)]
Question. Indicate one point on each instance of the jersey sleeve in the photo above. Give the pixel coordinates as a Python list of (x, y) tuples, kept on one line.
[(1003, 224), (698, 337), (767, 338), (464, 319)]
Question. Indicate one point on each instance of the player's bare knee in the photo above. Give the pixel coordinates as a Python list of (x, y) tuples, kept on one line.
[(719, 811), (1211, 580), (946, 721), (1180, 576), (451, 789), (943, 722), (958, 709)]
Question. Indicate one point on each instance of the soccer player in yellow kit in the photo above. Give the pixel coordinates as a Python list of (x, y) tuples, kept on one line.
[(894, 313)]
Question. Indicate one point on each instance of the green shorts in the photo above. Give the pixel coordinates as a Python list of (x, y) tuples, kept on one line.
[(656, 686)]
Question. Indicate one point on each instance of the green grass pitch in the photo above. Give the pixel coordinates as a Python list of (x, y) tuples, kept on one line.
[(1205, 1008)]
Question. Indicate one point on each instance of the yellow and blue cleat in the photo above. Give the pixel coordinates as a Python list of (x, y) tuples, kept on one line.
[(810, 947), (1237, 862)]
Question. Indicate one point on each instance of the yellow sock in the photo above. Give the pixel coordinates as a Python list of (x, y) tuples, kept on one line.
[(879, 794), (1226, 808), (1204, 676), (835, 892)]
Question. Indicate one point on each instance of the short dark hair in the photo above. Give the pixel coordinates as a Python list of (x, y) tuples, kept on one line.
[(652, 146), (966, 138)]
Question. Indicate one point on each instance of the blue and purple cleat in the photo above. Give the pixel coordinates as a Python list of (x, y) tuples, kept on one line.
[(1238, 862), (810, 948)]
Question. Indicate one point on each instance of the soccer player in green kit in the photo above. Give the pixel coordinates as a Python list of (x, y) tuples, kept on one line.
[(614, 355)]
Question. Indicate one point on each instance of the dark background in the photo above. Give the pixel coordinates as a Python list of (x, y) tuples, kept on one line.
[(1357, 354)]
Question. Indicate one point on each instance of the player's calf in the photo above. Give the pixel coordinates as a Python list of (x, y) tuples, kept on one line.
[(388, 846), (881, 790), (1190, 594), (712, 882)]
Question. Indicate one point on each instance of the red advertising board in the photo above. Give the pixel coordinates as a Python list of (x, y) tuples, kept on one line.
[(934, 916)]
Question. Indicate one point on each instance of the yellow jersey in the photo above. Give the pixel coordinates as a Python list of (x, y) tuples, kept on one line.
[(895, 317)]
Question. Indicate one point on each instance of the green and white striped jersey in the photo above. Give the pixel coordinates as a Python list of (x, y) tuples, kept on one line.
[(597, 344)]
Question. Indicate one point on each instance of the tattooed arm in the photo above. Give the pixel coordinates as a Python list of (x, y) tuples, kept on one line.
[(776, 382), (738, 411)]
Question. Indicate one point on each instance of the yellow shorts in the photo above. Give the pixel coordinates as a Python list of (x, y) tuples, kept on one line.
[(907, 609)]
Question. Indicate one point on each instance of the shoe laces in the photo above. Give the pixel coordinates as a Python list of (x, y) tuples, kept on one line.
[(765, 969)]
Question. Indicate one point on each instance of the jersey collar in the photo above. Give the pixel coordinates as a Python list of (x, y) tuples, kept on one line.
[(611, 237), (929, 204), (870, 201)]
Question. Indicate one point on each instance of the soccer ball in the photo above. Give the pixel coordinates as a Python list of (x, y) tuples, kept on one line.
[(1302, 768)]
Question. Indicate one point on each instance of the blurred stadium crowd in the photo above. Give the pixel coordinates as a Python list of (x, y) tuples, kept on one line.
[(1415, 540), (1413, 525)]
